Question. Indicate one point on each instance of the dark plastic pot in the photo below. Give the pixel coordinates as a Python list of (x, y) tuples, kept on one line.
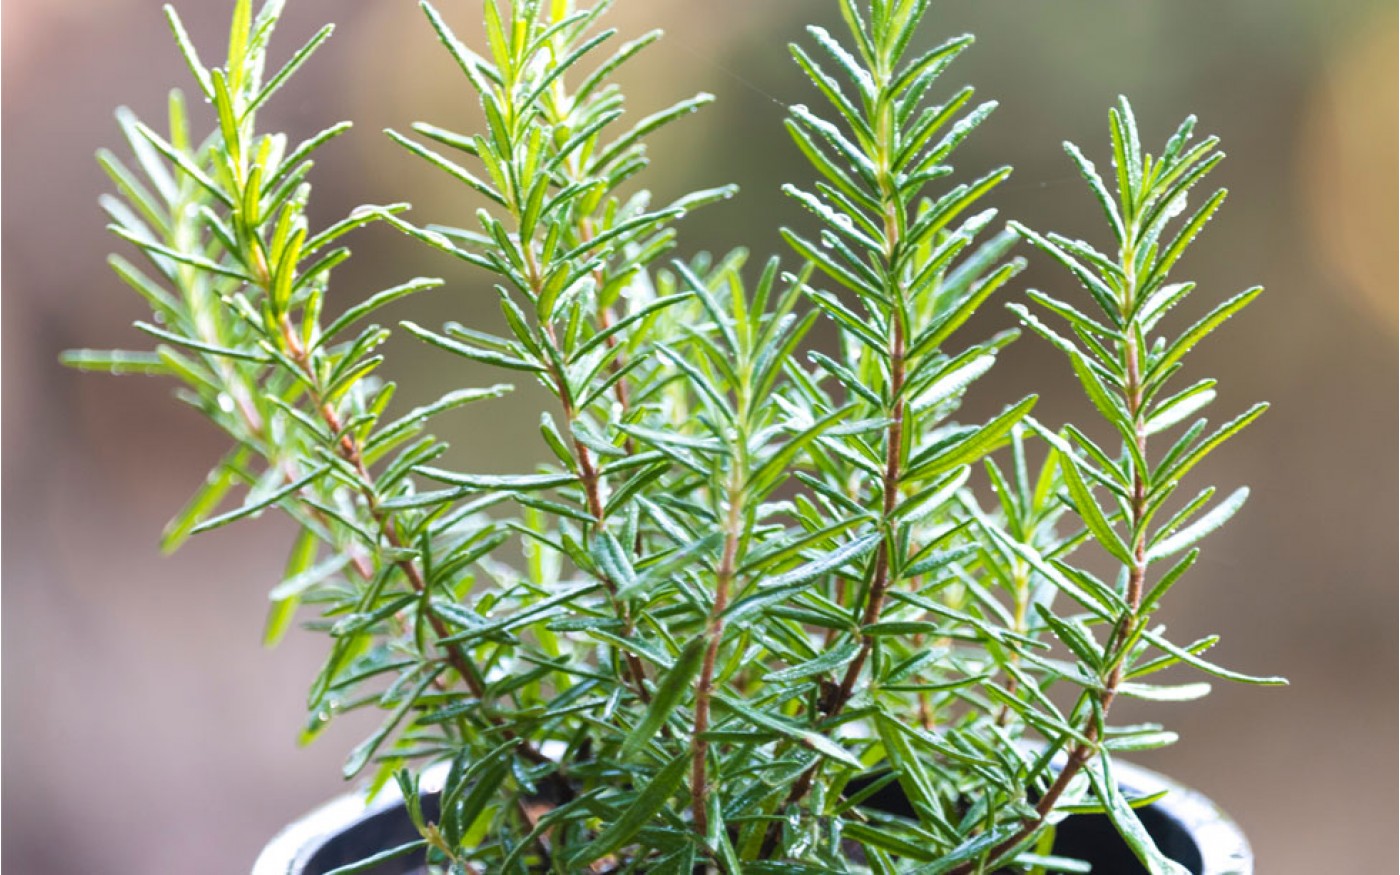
[(1187, 826)]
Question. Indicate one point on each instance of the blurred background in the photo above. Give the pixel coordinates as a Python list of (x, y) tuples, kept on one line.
[(147, 732)]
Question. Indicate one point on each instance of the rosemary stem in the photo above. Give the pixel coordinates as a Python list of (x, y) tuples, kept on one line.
[(704, 687), (836, 699), (1083, 751)]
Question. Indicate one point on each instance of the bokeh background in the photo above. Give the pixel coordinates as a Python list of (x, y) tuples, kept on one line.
[(146, 731)]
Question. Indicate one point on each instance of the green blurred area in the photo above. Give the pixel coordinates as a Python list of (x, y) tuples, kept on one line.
[(147, 734)]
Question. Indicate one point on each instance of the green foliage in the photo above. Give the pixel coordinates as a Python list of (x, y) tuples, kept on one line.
[(751, 570)]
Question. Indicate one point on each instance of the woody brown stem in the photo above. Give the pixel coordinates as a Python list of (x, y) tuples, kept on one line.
[(837, 698), (591, 481), (714, 632), (1084, 750), (349, 449)]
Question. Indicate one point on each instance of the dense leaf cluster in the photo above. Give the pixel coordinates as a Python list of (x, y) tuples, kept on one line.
[(752, 585)]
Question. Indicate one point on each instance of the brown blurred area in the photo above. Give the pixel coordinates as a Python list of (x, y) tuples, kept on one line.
[(145, 730)]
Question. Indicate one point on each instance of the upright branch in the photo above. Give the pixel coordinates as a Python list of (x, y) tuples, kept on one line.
[(894, 251), (223, 221), (714, 635), (557, 234), (1124, 374), (730, 507)]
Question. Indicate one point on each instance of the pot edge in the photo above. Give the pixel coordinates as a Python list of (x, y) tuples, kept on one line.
[(1223, 846)]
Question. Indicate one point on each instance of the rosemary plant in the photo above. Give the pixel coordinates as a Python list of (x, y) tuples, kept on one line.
[(753, 585)]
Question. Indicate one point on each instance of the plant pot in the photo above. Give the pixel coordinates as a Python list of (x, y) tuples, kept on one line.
[(1187, 826)]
